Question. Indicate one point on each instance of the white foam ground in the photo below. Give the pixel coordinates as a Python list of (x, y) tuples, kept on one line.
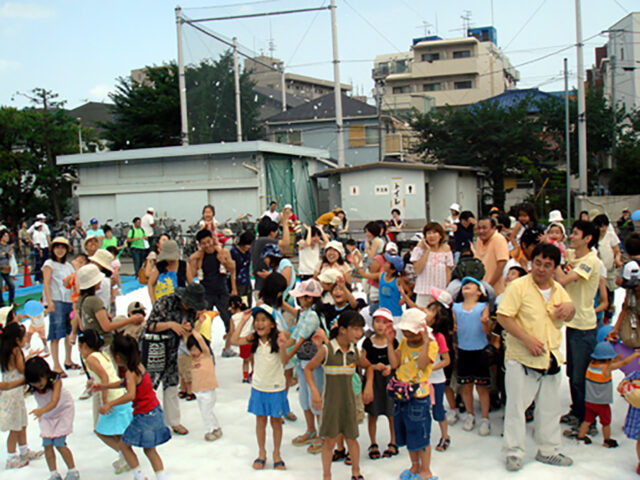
[(190, 457)]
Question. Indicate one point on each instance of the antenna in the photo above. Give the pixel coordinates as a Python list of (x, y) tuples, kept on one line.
[(425, 25), (272, 44), (466, 21)]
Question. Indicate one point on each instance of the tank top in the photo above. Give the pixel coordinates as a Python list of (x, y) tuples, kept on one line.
[(112, 376), (213, 281), (145, 399), (390, 295), (598, 387)]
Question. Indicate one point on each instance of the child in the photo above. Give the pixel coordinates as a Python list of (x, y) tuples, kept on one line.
[(390, 284), (13, 412), (115, 265), (203, 372), (71, 283), (354, 259), (268, 386), (473, 325), (147, 429), (599, 392), (413, 362), (108, 427), (236, 307), (339, 358), (374, 353), (307, 294), (556, 234), (629, 388), (309, 251), (55, 414)]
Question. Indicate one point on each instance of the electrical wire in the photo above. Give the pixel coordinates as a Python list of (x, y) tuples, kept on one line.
[(621, 6), (526, 23), (304, 36), (372, 26)]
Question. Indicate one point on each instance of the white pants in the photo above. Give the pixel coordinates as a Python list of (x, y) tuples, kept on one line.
[(171, 405), (523, 387), (206, 403)]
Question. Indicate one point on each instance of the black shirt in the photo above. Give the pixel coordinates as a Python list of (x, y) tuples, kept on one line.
[(257, 263), (377, 354), (462, 237), (213, 281)]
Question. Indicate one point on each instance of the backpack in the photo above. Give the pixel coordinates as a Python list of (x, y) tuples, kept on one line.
[(630, 326), (468, 267)]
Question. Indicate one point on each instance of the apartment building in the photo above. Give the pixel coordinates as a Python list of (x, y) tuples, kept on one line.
[(437, 72)]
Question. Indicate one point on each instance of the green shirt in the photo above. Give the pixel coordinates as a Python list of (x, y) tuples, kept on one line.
[(109, 242), (135, 233)]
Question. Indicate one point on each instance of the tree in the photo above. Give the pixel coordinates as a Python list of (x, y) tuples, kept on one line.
[(147, 114), (625, 177), (483, 135)]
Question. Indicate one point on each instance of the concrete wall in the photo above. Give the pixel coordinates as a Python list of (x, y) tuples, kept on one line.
[(447, 187), (612, 205)]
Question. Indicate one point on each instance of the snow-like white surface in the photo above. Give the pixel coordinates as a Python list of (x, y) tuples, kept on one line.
[(190, 457)]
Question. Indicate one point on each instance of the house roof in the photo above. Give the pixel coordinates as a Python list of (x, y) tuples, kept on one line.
[(396, 165), (276, 95), (324, 108), (193, 150), (514, 96), (92, 114)]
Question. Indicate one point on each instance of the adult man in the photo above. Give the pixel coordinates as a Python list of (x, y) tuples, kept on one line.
[(40, 218), (173, 316), (208, 258), (267, 233), (95, 231), (581, 281), (136, 237), (41, 243), (147, 223), (241, 255), (493, 250), (625, 224), (77, 236), (533, 311), (272, 213)]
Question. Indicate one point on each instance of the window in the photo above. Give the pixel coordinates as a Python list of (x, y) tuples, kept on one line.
[(383, 68), (363, 135), (622, 53), (371, 134), (430, 57), (462, 54), (431, 87), (404, 89), (463, 85), (291, 137), (401, 66)]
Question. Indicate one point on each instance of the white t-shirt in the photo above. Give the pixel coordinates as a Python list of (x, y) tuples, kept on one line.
[(45, 229), (145, 223), (39, 237), (275, 216), (268, 370), (308, 257), (546, 294), (605, 249), (57, 290)]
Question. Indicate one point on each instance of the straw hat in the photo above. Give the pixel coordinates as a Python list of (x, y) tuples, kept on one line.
[(102, 258), (61, 241), (89, 276), (170, 251)]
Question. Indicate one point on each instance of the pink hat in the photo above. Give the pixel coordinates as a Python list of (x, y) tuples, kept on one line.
[(441, 296), (384, 313), (308, 288)]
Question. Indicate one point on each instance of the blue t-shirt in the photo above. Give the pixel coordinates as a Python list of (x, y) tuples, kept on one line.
[(284, 263), (390, 295), (243, 263), (470, 333)]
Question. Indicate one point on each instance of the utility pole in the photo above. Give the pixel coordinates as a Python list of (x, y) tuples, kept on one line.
[(236, 77), (614, 103), (582, 110), (283, 87), (79, 119), (336, 85), (184, 131), (567, 139)]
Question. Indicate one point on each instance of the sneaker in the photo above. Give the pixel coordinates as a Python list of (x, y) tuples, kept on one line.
[(452, 417), (315, 447), (228, 352), (570, 419), (213, 436), (86, 394), (55, 476), (557, 459), (16, 462), (121, 466), (469, 422), (72, 476), (513, 463), (484, 427), (32, 455), (246, 380)]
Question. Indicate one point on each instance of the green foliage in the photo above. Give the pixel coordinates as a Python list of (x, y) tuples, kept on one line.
[(625, 177)]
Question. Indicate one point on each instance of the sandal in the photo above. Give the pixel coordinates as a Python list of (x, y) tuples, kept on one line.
[(443, 444), (63, 375), (610, 443), (291, 416), (304, 439), (179, 430), (585, 439), (391, 451), (258, 464), (190, 397), (339, 455), (357, 477), (182, 394), (374, 451), (347, 459), (72, 366), (279, 465)]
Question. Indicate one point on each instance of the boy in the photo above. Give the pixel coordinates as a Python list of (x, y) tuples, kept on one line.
[(241, 255)]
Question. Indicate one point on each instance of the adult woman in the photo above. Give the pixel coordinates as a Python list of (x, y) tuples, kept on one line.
[(339, 225), (334, 259), (395, 225), (152, 258), (24, 242), (432, 261), (6, 252), (374, 245), (169, 272), (136, 238), (58, 301)]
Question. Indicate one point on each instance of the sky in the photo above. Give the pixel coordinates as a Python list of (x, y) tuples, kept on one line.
[(78, 48)]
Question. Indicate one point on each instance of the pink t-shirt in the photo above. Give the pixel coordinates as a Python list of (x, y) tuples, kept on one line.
[(438, 376), (434, 273)]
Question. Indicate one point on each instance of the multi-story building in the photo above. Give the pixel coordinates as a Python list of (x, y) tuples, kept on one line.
[(437, 72)]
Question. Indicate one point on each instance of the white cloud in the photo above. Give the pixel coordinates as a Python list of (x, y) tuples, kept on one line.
[(101, 92), (9, 65), (26, 11)]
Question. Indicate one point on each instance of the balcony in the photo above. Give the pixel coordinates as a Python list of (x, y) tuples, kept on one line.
[(449, 67)]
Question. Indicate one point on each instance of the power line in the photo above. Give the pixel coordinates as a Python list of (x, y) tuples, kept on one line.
[(526, 23), (621, 6), (306, 33), (231, 5), (372, 26)]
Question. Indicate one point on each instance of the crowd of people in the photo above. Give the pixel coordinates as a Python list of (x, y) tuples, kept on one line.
[(403, 324)]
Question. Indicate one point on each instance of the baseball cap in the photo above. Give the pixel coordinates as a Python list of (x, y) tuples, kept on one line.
[(41, 215), (391, 248), (308, 288), (466, 280), (416, 238), (384, 313), (135, 307), (93, 220), (441, 296), (151, 210), (413, 320), (263, 308), (271, 250), (396, 261)]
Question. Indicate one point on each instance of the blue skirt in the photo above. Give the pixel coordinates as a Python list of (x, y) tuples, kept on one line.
[(147, 430), (116, 422), (268, 404)]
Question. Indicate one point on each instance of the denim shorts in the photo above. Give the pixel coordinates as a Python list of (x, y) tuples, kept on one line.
[(438, 407), (412, 423), (55, 442), (60, 321)]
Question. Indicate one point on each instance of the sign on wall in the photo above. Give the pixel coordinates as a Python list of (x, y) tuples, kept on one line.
[(382, 190), (410, 189), (354, 190), (397, 194)]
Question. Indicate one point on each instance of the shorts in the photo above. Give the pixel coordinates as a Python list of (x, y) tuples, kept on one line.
[(473, 368), (245, 351), (55, 442), (60, 321), (412, 423), (438, 407), (594, 410), (304, 393), (184, 367)]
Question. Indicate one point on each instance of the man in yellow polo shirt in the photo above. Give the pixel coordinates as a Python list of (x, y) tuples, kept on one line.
[(533, 311), (581, 282)]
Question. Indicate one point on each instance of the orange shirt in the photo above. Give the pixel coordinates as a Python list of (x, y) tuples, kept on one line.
[(490, 253), (72, 283)]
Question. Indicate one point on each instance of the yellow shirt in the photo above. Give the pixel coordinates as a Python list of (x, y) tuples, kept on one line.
[(205, 327), (325, 218), (523, 301), (583, 291), (408, 370)]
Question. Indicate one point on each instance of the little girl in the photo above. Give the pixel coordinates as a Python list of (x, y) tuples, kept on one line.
[(374, 353), (339, 358), (147, 429), (236, 307), (109, 427), (473, 325), (556, 235), (268, 386), (390, 284), (204, 383), (55, 413), (13, 412)]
